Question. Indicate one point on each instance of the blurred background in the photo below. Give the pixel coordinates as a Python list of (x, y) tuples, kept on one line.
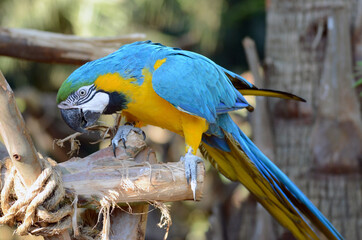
[(216, 29)]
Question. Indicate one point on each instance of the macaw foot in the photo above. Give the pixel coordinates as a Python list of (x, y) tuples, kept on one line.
[(191, 161), (122, 133)]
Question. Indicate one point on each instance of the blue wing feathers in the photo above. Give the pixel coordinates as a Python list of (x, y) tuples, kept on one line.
[(203, 87)]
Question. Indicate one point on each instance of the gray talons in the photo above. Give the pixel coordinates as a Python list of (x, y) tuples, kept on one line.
[(191, 161), (114, 147), (122, 134)]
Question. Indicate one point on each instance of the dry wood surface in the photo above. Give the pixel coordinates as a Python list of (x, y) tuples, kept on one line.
[(51, 47), (125, 179)]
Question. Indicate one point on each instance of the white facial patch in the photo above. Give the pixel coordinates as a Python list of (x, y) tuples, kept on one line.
[(97, 104)]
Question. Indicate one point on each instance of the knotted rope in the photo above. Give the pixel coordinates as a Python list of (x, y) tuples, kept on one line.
[(43, 209)]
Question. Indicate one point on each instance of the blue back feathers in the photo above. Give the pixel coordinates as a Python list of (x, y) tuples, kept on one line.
[(202, 86)]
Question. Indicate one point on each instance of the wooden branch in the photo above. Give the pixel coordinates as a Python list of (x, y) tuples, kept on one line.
[(124, 225), (122, 180), (15, 136), (50, 47), (18, 141)]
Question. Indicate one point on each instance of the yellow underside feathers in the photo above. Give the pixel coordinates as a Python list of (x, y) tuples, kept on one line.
[(237, 166)]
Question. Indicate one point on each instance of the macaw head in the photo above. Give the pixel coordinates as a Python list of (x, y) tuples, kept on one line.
[(96, 87), (82, 100), (82, 106)]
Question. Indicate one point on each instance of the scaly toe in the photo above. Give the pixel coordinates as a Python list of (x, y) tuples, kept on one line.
[(122, 134), (114, 147), (190, 161)]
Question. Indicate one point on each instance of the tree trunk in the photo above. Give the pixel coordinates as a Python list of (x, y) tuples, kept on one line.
[(318, 143)]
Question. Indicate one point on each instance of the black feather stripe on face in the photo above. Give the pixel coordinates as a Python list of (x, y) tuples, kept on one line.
[(117, 102)]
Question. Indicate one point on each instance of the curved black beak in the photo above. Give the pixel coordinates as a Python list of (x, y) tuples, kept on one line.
[(79, 120)]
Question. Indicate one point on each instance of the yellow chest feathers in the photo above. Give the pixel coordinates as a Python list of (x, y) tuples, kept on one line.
[(145, 105)]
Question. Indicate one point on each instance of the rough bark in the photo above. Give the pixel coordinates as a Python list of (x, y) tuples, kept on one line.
[(318, 144), (357, 31), (129, 226)]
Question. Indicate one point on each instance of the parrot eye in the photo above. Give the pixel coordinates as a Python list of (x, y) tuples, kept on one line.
[(82, 92)]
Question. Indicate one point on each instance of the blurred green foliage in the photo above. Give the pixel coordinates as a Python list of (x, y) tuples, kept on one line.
[(213, 28)]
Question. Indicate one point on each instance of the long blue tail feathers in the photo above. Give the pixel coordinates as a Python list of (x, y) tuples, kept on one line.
[(277, 179), (268, 167)]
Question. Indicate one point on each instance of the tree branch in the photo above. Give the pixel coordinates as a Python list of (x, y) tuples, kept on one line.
[(18, 141), (15, 136), (59, 48), (100, 175)]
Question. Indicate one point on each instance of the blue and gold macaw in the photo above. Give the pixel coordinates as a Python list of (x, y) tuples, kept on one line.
[(190, 95)]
